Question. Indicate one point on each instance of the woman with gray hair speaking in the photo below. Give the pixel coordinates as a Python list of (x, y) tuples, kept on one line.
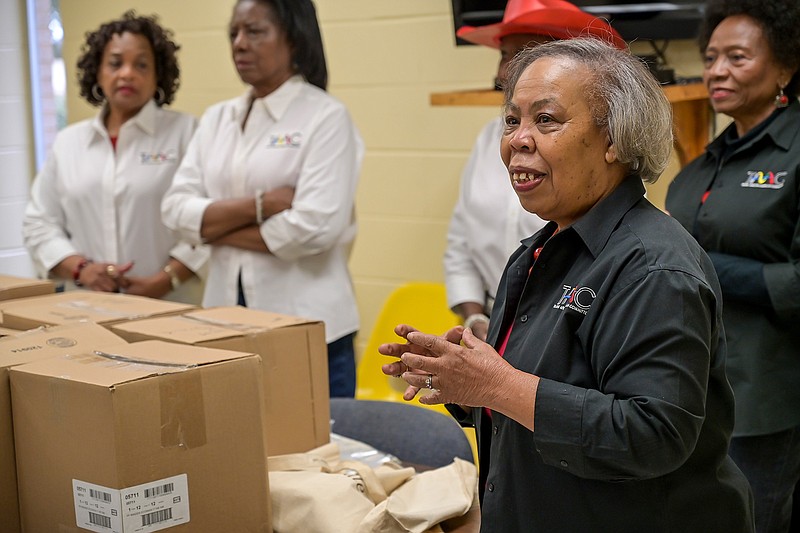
[(600, 400)]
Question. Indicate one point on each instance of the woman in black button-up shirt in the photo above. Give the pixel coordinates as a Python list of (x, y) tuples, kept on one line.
[(600, 401), (741, 201)]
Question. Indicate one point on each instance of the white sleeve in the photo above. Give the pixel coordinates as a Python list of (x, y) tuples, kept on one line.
[(322, 212), (43, 226), (461, 275), (186, 200)]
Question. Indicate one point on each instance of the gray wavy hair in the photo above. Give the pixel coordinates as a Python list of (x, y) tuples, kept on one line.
[(625, 99)]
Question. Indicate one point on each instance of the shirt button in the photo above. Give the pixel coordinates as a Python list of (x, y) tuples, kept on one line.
[(490, 487), (495, 430), (523, 318), (564, 463)]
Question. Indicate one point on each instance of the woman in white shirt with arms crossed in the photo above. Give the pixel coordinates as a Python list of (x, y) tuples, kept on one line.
[(93, 218), (269, 182)]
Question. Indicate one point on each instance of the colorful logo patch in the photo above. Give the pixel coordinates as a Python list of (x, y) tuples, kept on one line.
[(285, 140), (576, 298), (158, 158), (760, 179)]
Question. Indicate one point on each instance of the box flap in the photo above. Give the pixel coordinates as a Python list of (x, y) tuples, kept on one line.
[(99, 307), (178, 328), (5, 332), (52, 341), (17, 287), (244, 318), (115, 365)]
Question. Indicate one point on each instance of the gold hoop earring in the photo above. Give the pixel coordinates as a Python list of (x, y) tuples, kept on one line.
[(97, 93)]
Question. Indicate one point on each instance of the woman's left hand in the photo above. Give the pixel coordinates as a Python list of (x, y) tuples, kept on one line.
[(155, 286), (467, 373)]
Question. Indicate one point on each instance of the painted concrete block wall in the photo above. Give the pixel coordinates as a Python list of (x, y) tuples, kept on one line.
[(384, 59), (16, 137)]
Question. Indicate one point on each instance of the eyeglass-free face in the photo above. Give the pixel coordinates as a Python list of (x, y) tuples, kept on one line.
[(261, 51)]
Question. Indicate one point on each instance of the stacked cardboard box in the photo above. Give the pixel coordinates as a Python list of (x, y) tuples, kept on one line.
[(103, 308), (142, 437), (295, 364), (27, 347), (5, 332), (12, 287)]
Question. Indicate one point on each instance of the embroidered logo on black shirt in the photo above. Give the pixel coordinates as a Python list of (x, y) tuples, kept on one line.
[(760, 179), (576, 298)]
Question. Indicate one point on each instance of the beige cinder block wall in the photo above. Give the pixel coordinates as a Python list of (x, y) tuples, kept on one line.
[(384, 58)]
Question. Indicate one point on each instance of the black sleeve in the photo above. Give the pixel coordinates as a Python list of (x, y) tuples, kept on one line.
[(741, 279)]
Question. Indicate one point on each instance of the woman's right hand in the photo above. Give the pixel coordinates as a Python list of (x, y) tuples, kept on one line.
[(398, 368), (103, 277)]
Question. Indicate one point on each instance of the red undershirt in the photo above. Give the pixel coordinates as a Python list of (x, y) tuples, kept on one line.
[(502, 349)]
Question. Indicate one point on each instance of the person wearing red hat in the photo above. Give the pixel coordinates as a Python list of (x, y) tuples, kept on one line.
[(488, 222)]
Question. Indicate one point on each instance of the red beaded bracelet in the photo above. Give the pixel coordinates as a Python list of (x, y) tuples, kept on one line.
[(76, 274)]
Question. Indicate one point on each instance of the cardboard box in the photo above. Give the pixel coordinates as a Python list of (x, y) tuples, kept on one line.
[(295, 357), (103, 308), (5, 332), (22, 348), (152, 436), (12, 287)]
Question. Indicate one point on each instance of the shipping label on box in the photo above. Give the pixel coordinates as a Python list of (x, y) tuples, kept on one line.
[(141, 509)]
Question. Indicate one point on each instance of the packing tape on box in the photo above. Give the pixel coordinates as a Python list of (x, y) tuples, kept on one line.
[(183, 411)]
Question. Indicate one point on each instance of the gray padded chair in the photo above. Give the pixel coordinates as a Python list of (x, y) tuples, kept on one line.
[(414, 435)]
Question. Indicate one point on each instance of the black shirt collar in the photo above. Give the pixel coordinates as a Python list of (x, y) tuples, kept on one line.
[(596, 226)]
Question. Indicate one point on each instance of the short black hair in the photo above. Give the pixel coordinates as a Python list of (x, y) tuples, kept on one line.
[(780, 24), (160, 39), (298, 18)]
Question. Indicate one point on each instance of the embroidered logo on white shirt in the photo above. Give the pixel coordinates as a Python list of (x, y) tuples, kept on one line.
[(158, 158), (285, 140)]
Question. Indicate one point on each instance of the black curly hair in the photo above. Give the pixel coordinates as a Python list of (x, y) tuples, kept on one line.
[(298, 18), (780, 24), (164, 51)]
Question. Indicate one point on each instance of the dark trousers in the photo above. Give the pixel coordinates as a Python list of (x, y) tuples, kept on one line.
[(342, 367), (341, 361), (772, 466)]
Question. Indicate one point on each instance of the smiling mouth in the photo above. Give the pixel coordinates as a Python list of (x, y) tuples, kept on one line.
[(525, 177)]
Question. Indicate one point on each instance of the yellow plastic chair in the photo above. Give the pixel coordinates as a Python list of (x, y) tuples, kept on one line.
[(422, 305)]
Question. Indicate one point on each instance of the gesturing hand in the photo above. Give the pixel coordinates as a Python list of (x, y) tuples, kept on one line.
[(462, 368)]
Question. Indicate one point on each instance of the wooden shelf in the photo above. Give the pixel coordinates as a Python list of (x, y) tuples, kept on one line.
[(690, 109)]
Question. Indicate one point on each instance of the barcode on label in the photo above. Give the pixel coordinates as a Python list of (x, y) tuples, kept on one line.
[(100, 495), (158, 491), (99, 520), (156, 517)]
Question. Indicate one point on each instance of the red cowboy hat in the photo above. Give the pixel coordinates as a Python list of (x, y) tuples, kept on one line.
[(553, 18)]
